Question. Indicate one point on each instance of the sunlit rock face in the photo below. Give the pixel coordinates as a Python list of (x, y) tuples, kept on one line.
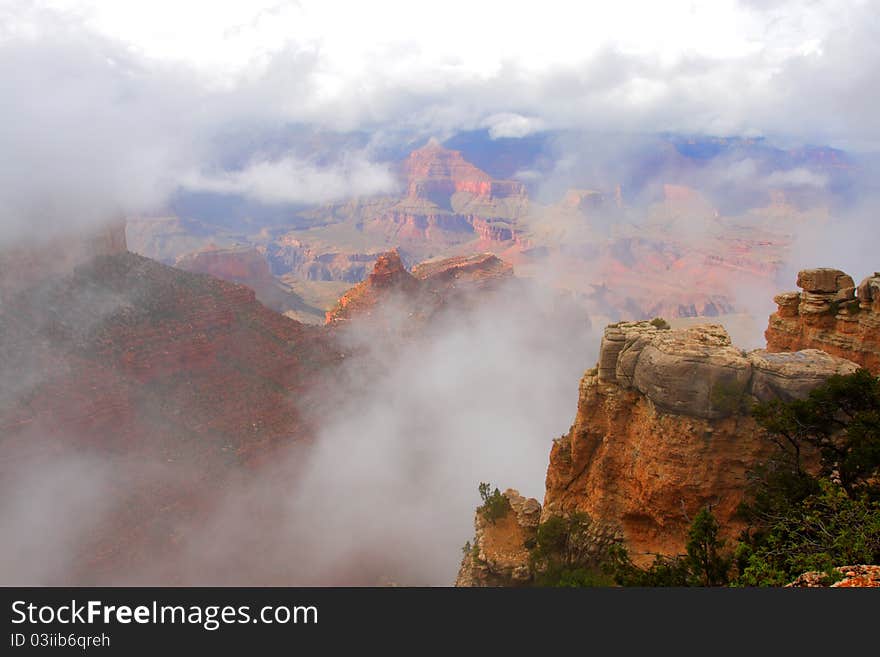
[(450, 201), (829, 313), (424, 291)]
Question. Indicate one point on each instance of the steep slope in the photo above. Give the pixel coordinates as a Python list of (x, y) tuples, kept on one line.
[(178, 381)]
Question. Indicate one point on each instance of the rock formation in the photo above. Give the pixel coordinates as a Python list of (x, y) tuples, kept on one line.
[(498, 556), (858, 576), (448, 201), (832, 314), (662, 430), (431, 286)]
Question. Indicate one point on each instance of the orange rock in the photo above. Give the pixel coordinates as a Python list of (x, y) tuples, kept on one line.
[(828, 316)]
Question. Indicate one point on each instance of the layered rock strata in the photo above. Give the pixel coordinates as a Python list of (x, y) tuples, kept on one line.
[(830, 313)]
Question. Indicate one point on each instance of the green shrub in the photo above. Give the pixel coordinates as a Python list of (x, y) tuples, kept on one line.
[(824, 530), (660, 323), (799, 522), (495, 505), (704, 564), (726, 397), (572, 550)]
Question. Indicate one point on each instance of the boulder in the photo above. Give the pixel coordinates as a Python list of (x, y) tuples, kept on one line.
[(823, 280), (869, 293), (695, 372), (787, 303)]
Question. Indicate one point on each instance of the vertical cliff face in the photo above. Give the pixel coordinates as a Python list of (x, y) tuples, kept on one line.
[(832, 314), (450, 201), (662, 430)]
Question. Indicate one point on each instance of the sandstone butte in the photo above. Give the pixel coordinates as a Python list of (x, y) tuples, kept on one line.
[(661, 428), (449, 200)]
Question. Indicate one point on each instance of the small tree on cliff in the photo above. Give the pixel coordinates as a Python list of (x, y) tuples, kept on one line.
[(707, 565), (495, 504), (841, 420), (704, 564), (798, 521)]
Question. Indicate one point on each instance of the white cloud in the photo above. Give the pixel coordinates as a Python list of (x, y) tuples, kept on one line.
[(291, 180), (507, 124), (799, 177)]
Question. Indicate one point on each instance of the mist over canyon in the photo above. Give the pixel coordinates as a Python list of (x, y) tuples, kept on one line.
[(276, 297)]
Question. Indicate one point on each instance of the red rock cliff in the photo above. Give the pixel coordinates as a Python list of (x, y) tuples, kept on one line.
[(832, 314), (661, 431), (430, 286)]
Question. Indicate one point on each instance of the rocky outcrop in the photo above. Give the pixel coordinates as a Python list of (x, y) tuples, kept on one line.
[(660, 430), (859, 576), (388, 278), (699, 373), (829, 313), (431, 286), (498, 555)]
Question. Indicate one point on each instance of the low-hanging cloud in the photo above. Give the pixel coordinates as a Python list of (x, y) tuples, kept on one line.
[(293, 180)]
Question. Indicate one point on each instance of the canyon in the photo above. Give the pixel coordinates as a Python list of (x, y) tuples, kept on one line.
[(167, 395), (665, 250)]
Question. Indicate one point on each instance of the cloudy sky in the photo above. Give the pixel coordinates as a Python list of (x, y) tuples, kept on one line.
[(110, 105)]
